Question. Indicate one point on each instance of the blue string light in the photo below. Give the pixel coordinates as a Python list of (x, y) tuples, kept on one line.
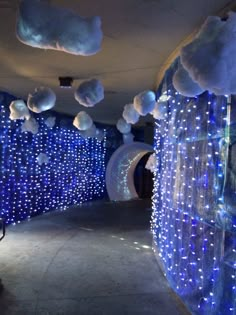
[(75, 172)]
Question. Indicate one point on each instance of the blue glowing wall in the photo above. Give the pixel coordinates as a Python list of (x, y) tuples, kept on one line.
[(194, 208), (75, 172)]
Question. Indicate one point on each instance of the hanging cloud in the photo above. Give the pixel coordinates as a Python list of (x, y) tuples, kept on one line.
[(210, 58), (128, 138), (151, 163), (123, 126), (50, 122), (99, 134), (130, 115), (89, 133), (83, 121), (184, 84), (42, 158), (19, 110), (160, 110), (89, 93), (144, 102), (30, 125), (42, 25), (41, 100)]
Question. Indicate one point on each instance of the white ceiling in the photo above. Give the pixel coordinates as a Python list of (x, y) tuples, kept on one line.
[(139, 35)]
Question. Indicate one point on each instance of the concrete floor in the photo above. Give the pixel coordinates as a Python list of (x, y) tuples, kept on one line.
[(95, 259)]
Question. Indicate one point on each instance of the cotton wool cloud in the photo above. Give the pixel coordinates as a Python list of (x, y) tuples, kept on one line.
[(83, 121), (30, 125), (41, 100), (130, 115), (43, 25), (50, 122), (184, 84), (42, 158), (89, 133), (144, 102), (160, 110), (18, 110), (123, 126), (89, 93), (210, 59), (128, 138)]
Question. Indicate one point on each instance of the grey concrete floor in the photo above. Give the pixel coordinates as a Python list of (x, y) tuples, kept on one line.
[(94, 259)]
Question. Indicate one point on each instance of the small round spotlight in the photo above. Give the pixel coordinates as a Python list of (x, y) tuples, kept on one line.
[(65, 82)]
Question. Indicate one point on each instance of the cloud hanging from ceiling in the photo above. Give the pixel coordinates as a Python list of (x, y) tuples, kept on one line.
[(123, 126), (30, 125), (89, 93), (18, 110), (41, 100), (144, 102), (89, 133), (210, 58), (40, 24), (128, 138), (82, 121), (50, 122), (130, 115), (184, 84)]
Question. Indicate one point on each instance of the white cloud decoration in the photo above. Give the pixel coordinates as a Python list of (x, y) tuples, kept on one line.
[(18, 110), (50, 122), (130, 115), (99, 134), (41, 100), (128, 138), (151, 163), (210, 58), (42, 158), (89, 133), (184, 84), (144, 102), (123, 126), (43, 25), (160, 110), (82, 121), (30, 125), (89, 93)]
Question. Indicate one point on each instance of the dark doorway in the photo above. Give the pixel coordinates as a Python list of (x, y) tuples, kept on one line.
[(143, 178)]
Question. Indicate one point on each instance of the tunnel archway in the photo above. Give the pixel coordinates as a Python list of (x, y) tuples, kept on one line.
[(120, 170)]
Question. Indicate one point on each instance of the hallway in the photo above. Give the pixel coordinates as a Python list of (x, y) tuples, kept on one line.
[(94, 259)]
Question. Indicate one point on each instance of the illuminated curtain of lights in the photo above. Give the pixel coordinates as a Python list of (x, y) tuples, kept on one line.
[(194, 204), (75, 172)]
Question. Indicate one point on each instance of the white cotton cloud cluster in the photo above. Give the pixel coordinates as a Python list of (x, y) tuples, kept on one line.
[(130, 115), (89, 93), (160, 110), (210, 59), (144, 102), (83, 121), (42, 158), (42, 25), (41, 100), (99, 134), (50, 122), (19, 110), (184, 84), (30, 125), (151, 163), (89, 133), (123, 126), (128, 138)]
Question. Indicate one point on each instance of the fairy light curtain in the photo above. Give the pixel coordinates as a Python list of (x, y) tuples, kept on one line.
[(194, 208), (75, 172)]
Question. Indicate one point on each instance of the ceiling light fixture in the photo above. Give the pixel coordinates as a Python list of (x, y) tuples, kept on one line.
[(66, 82)]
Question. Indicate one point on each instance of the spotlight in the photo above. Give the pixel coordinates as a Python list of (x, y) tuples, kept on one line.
[(65, 82)]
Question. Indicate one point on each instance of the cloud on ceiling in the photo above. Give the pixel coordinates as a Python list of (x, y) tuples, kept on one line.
[(210, 58), (144, 102), (19, 110), (83, 121), (130, 114), (30, 125), (42, 158), (41, 100), (123, 126), (50, 122), (89, 133), (128, 138), (184, 84), (89, 93), (40, 24)]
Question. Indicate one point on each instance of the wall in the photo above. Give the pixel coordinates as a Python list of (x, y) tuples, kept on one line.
[(194, 209)]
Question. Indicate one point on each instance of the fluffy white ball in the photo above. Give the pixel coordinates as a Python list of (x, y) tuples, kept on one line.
[(144, 102), (19, 110), (83, 121), (130, 115), (123, 126), (89, 93), (41, 100)]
